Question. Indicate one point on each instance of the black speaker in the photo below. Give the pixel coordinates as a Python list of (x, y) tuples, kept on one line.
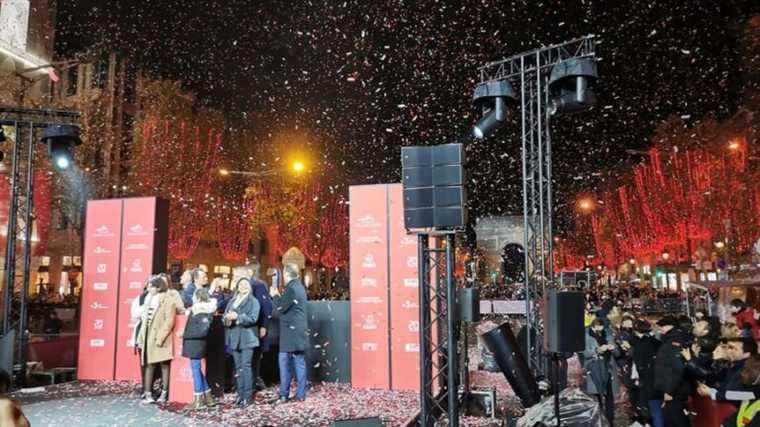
[(415, 198), (417, 177), (563, 322), (449, 197), (415, 157), (449, 217), (448, 175), (419, 218), (448, 154), (358, 422), (502, 343), (469, 305)]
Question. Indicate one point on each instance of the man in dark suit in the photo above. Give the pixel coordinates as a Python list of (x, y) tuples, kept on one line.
[(294, 340), (261, 293)]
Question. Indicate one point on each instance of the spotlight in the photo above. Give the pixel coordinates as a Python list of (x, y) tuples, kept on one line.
[(571, 85), (492, 97), (61, 140)]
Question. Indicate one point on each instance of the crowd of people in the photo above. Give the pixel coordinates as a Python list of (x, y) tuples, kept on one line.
[(662, 360), (247, 311)]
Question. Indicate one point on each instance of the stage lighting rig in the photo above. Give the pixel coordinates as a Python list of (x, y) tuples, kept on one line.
[(61, 140), (571, 85), (493, 97)]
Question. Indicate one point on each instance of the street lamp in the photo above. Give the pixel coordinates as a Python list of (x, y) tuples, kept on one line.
[(586, 204), (298, 166)]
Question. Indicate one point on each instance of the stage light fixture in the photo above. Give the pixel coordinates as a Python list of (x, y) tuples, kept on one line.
[(61, 140), (571, 85), (493, 98)]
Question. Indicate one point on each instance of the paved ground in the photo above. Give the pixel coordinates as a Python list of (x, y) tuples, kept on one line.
[(102, 411)]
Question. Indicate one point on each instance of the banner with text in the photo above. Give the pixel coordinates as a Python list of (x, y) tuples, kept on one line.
[(97, 330), (137, 231), (368, 216)]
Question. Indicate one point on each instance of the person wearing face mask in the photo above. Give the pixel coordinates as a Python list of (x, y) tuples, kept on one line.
[(746, 319), (670, 372), (600, 377), (242, 333)]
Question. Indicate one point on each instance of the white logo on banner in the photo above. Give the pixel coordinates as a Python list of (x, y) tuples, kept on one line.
[(408, 241), (369, 300), (97, 343), (411, 262), (367, 221), (369, 261), (369, 346), (411, 283), (409, 305), (101, 268), (100, 286), (368, 239), (103, 231), (136, 266), (101, 250), (137, 247), (412, 348), (135, 285), (369, 323), (414, 326), (136, 230), (98, 324), (368, 282), (98, 306)]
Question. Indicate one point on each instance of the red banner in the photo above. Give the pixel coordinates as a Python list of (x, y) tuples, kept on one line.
[(137, 231), (368, 216), (405, 298), (99, 307), (181, 376)]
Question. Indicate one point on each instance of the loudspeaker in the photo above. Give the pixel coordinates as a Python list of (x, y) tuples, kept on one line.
[(469, 305), (433, 180), (563, 322), (358, 422), (419, 218), (416, 157)]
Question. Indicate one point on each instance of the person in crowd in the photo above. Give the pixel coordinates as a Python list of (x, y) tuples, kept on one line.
[(648, 403), (241, 333), (53, 323), (294, 340), (737, 352), (261, 293), (11, 414), (194, 346), (670, 372), (748, 393), (198, 278), (746, 319), (136, 310), (730, 330), (154, 337), (701, 362), (600, 368)]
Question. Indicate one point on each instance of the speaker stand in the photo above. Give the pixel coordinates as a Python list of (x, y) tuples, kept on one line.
[(555, 386)]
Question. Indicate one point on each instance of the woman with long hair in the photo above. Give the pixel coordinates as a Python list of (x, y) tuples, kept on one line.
[(241, 333), (154, 337), (194, 346)]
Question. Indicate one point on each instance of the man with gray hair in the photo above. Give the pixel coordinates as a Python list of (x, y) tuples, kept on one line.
[(261, 293), (294, 339)]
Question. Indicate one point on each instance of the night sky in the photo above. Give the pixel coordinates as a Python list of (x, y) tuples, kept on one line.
[(364, 78)]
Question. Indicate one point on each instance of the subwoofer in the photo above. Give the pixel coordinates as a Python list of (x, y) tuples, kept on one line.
[(563, 322)]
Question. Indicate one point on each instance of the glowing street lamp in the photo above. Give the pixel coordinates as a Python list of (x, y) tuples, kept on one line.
[(586, 205), (298, 166), (734, 145), (224, 172)]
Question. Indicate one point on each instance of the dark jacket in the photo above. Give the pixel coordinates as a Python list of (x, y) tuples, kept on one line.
[(261, 293), (643, 352), (291, 312), (197, 329), (187, 294), (243, 332), (670, 367)]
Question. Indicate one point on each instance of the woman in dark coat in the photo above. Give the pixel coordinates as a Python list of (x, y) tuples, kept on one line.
[(241, 336), (194, 346)]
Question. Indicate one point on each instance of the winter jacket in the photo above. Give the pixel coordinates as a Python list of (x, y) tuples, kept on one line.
[(261, 293), (291, 312), (194, 338), (746, 319), (670, 366), (598, 370), (154, 337), (187, 294), (643, 352), (243, 333)]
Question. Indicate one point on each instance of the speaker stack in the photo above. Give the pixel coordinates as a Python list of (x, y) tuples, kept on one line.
[(433, 181), (563, 322)]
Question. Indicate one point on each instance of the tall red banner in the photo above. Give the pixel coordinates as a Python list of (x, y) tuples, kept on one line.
[(368, 216), (405, 298), (97, 330), (181, 376), (137, 231)]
